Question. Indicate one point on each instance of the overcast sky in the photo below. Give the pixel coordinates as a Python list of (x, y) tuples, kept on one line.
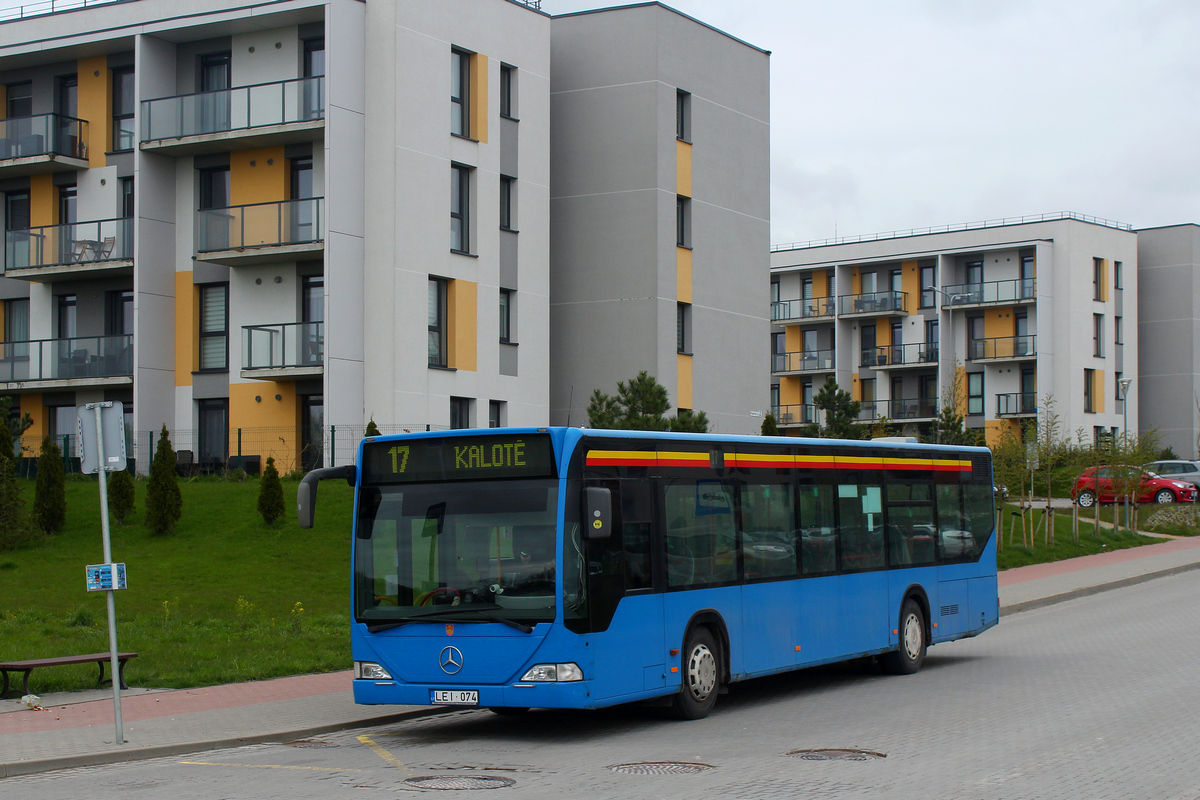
[(894, 114)]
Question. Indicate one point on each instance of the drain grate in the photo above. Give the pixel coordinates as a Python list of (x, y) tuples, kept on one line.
[(837, 754), (661, 768), (309, 743), (459, 782)]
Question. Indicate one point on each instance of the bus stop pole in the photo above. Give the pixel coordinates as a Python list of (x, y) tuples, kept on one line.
[(115, 667)]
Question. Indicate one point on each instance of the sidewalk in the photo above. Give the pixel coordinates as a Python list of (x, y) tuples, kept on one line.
[(77, 729)]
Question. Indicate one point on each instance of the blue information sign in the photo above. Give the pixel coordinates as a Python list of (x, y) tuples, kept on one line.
[(100, 577)]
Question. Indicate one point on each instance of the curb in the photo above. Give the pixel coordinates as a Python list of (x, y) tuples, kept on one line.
[(1084, 591), (12, 770)]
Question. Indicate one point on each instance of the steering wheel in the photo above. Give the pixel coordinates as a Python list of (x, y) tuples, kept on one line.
[(440, 590)]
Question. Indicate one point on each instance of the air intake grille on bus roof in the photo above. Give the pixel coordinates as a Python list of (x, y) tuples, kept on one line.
[(981, 467)]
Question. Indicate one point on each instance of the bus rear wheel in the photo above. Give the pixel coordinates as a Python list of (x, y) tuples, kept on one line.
[(701, 670), (908, 657)]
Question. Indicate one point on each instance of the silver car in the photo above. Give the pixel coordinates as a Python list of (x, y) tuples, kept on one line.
[(1177, 470)]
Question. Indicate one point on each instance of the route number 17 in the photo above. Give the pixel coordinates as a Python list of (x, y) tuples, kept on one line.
[(399, 455)]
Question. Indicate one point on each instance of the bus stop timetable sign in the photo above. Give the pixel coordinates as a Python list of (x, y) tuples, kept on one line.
[(100, 577)]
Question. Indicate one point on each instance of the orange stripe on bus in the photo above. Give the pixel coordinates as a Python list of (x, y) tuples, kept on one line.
[(643, 458)]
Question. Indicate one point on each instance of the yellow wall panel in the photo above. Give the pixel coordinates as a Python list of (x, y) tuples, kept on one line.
[(855, 282), (994, 429), (683, 168), (683, 380), (462, 300), (187, 315), (43, 200), (283, 443), (683, 274), (793, 339), (95, 106), (820, 283), (479, 97), (1098, 391), (258, 176), (998, 323), (789, 391), (960, 390), (910, 284), (883, 334), (855, 387), (31, 440), (1104, 279)]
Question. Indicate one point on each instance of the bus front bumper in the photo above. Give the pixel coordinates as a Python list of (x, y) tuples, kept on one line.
[(565, 694)]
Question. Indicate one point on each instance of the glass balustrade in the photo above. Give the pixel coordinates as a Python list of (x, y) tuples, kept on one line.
[(239, 108)]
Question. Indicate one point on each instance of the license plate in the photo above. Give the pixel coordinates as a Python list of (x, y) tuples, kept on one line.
[(453, 697)]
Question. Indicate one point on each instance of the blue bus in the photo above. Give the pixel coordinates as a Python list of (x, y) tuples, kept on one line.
[(576, 568)]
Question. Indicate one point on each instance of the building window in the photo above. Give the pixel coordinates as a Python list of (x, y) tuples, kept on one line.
[(1097, 278), (506, 304), (1089, 380), (1117, 270), (214, 327), (1117, 383), (118, 312), (460, 412), (683, 328), (928, 295), (214, 188), (1027, 274), (495, 413), (1098, 335), (683, 115), (68, 95), (123, 104), (896, 281), (67, 316), (213, 441), (460, 93), (775, 290), (1118, 330), (507, 196), (508, 88), (20, 99), (127, 202), (974, 393), (460, 207), (16, 323), (437, 321), (683, 221)]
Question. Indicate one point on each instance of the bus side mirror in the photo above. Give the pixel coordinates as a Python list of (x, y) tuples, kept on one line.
[(597, 501), (306, 493)]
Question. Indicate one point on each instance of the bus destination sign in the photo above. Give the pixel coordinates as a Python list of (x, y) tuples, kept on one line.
[(459, 458)]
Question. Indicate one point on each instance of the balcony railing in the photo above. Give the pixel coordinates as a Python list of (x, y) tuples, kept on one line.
[(916, 354), (43, 135), (239, 108), (913, 408), (260, 225), (289, 345), (66, 359), (1002, 347), (873, 303), (76, 243), (812, 308), (1020, 290), (795, 414), (804, 361), (1014, 404)]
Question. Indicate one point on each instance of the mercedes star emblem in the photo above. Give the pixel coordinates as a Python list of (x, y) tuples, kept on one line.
[(450, 660)]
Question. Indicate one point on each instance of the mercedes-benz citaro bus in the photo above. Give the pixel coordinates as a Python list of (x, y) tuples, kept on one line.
[(575, 568)]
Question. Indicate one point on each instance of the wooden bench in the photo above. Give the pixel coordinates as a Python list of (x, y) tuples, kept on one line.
[(29, 666)]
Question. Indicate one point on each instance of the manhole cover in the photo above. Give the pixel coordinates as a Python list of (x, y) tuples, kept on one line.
[(837, 754), (460, 782), (661, 768), (309, 743)]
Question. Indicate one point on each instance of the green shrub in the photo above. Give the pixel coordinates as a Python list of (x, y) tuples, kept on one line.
[(769, 428), (16, 528), (270, 494), (50, 491), (82, 618), (372, 428), (164, 503), (120, 495)]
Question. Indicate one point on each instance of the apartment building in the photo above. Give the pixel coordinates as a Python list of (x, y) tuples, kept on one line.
[(660, 206), (994, 316), (1168, 389), (233, 217)]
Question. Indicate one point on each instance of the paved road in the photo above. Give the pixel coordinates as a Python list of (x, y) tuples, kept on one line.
[(1093, 698)]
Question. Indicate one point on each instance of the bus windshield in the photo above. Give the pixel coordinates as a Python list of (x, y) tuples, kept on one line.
[(465, 546)]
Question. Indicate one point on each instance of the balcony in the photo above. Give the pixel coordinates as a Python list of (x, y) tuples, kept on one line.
[(806, 361), (288, 350), (873, 304), (793, 415), (65, 363), (76, 251), (1016, 404), (994, 293), (42, 143), (917, 354), (912, 410), (818, 309), (1004, 348), (261, 232), (243, 117)]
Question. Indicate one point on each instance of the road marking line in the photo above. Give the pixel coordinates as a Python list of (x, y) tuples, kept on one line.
[(269, 766), (379, 751)]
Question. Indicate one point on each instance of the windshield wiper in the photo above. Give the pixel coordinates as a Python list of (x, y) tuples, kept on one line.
[(442, 612)]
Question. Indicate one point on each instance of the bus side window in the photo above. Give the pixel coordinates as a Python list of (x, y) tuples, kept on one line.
[(768, 531), (818, 530), (701, 540), (954, 539), (861, 523), (980, 515), (637, 519)]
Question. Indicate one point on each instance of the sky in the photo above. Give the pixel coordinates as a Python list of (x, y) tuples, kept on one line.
[(897, 114)]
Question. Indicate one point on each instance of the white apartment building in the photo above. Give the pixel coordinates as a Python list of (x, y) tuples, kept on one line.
[(996, 316)]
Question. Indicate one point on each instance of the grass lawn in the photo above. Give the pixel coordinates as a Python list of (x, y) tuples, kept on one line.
[(1013, 554), (225, 598)]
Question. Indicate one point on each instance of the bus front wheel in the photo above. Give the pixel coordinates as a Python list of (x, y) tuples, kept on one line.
[(908, 657), (701, 670)]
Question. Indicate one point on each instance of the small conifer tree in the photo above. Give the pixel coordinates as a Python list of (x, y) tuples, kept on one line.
[(372, 428), (270, 494), (16, 529), (120, 495), (164, 503), (769, 428), (50, 491)]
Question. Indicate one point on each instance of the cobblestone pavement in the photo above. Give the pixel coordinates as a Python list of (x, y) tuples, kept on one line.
[(1093, 698)]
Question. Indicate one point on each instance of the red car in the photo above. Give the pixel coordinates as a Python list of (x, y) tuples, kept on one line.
[(1103, 484)]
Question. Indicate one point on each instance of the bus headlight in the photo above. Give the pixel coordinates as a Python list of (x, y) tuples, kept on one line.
[(552, 673), (370, 671)]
